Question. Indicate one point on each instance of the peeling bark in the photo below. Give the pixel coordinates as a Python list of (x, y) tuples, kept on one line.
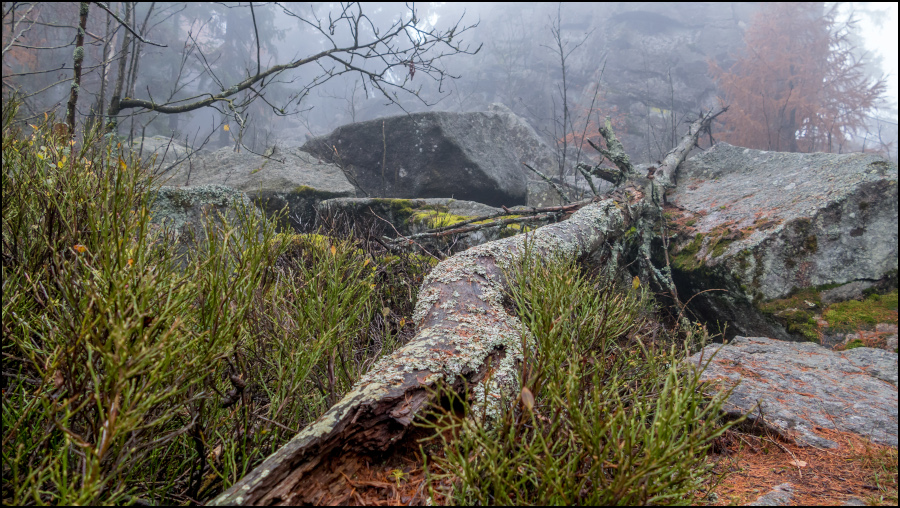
[(464, 338)]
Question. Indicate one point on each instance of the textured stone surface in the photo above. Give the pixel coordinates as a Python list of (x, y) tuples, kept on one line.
[(180, 210), (289, 178), (781, 495), (802, 386), (468, 156), (763, 224)]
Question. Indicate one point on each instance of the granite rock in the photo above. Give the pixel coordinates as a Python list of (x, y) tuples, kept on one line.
[(801, 387)]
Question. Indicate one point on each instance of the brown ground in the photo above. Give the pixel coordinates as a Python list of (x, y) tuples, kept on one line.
[(751, 465), (747, 466)]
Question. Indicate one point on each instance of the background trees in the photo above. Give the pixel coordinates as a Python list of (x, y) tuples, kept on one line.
[(219, 56), (800, 84), (656, 74)]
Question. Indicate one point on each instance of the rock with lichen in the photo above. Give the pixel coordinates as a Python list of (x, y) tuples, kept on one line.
[(797, 389), (287, 178), (765, 226)]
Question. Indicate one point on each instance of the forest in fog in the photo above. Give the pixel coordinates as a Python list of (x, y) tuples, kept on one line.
[(798, 76)]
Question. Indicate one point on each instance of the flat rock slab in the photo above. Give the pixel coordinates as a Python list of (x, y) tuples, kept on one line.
[(288, 178), (802, 386)]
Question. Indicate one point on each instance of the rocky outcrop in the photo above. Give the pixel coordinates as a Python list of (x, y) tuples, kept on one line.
[(802, 387), (467, 156), (287, 178), (767, 226), (405, 217)]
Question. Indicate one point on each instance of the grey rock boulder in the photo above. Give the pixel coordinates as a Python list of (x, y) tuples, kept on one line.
[(288, 178), (181, 212), (801, 387), (763, 225), (160, 151), (466, 156)]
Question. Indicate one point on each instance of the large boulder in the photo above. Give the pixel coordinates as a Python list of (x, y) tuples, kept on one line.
[(468, 156), (797, 388), (288, 178), (774, 230)]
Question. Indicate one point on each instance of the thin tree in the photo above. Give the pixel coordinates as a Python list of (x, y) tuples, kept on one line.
[(799, 85)]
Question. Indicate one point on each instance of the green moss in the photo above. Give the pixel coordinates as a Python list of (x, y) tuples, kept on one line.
[(305, 191), (853, 344), (811, 244), (690, 223), (721, 246), (686, 258), (437, 219), (853, 314)]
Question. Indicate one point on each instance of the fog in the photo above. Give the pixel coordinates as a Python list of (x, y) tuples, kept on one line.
[(563, 67)]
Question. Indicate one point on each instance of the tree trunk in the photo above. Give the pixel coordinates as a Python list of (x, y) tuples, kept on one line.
[(78, 61), (116, 101), (465, 338)]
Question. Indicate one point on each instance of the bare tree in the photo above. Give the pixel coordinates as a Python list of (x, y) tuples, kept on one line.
[(356, 45)]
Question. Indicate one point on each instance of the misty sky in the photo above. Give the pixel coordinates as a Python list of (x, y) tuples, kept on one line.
[(882, 40)]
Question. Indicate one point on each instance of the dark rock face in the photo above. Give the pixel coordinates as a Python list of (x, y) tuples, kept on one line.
[(289, 178), (763, 225), (465, 156), (803, 386)]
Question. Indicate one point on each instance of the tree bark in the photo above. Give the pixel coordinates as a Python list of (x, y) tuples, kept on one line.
[(465, 338), (78, 61)]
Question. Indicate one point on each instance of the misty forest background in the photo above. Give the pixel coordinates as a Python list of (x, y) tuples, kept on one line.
[(135, 375), (797, 76)]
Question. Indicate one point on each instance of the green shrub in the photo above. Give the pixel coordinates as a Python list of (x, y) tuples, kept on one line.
[(133, 377), (606, 414)]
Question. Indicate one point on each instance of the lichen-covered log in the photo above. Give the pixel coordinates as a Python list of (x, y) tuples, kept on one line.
[(463, 335)]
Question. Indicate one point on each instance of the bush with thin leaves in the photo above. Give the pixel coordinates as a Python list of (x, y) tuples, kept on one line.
[(131, 375), (606, 414)]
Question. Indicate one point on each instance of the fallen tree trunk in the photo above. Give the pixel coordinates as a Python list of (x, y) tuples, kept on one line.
[(464, 338)]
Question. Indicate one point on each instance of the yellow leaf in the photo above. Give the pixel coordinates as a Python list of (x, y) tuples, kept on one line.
[(333, 250), (636, 282), (122, 165), (130, 261), (402, 323), (366, 262), (79, 248), (527, 398), (226, 128), (59, 164)]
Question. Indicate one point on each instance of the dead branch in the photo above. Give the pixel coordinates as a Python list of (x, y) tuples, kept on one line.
[(553, 184), (464, 340)]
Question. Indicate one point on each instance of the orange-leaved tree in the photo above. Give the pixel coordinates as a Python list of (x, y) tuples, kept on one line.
[(799, 85)]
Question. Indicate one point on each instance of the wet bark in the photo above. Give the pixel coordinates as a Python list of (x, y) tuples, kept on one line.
[(464, 338)]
